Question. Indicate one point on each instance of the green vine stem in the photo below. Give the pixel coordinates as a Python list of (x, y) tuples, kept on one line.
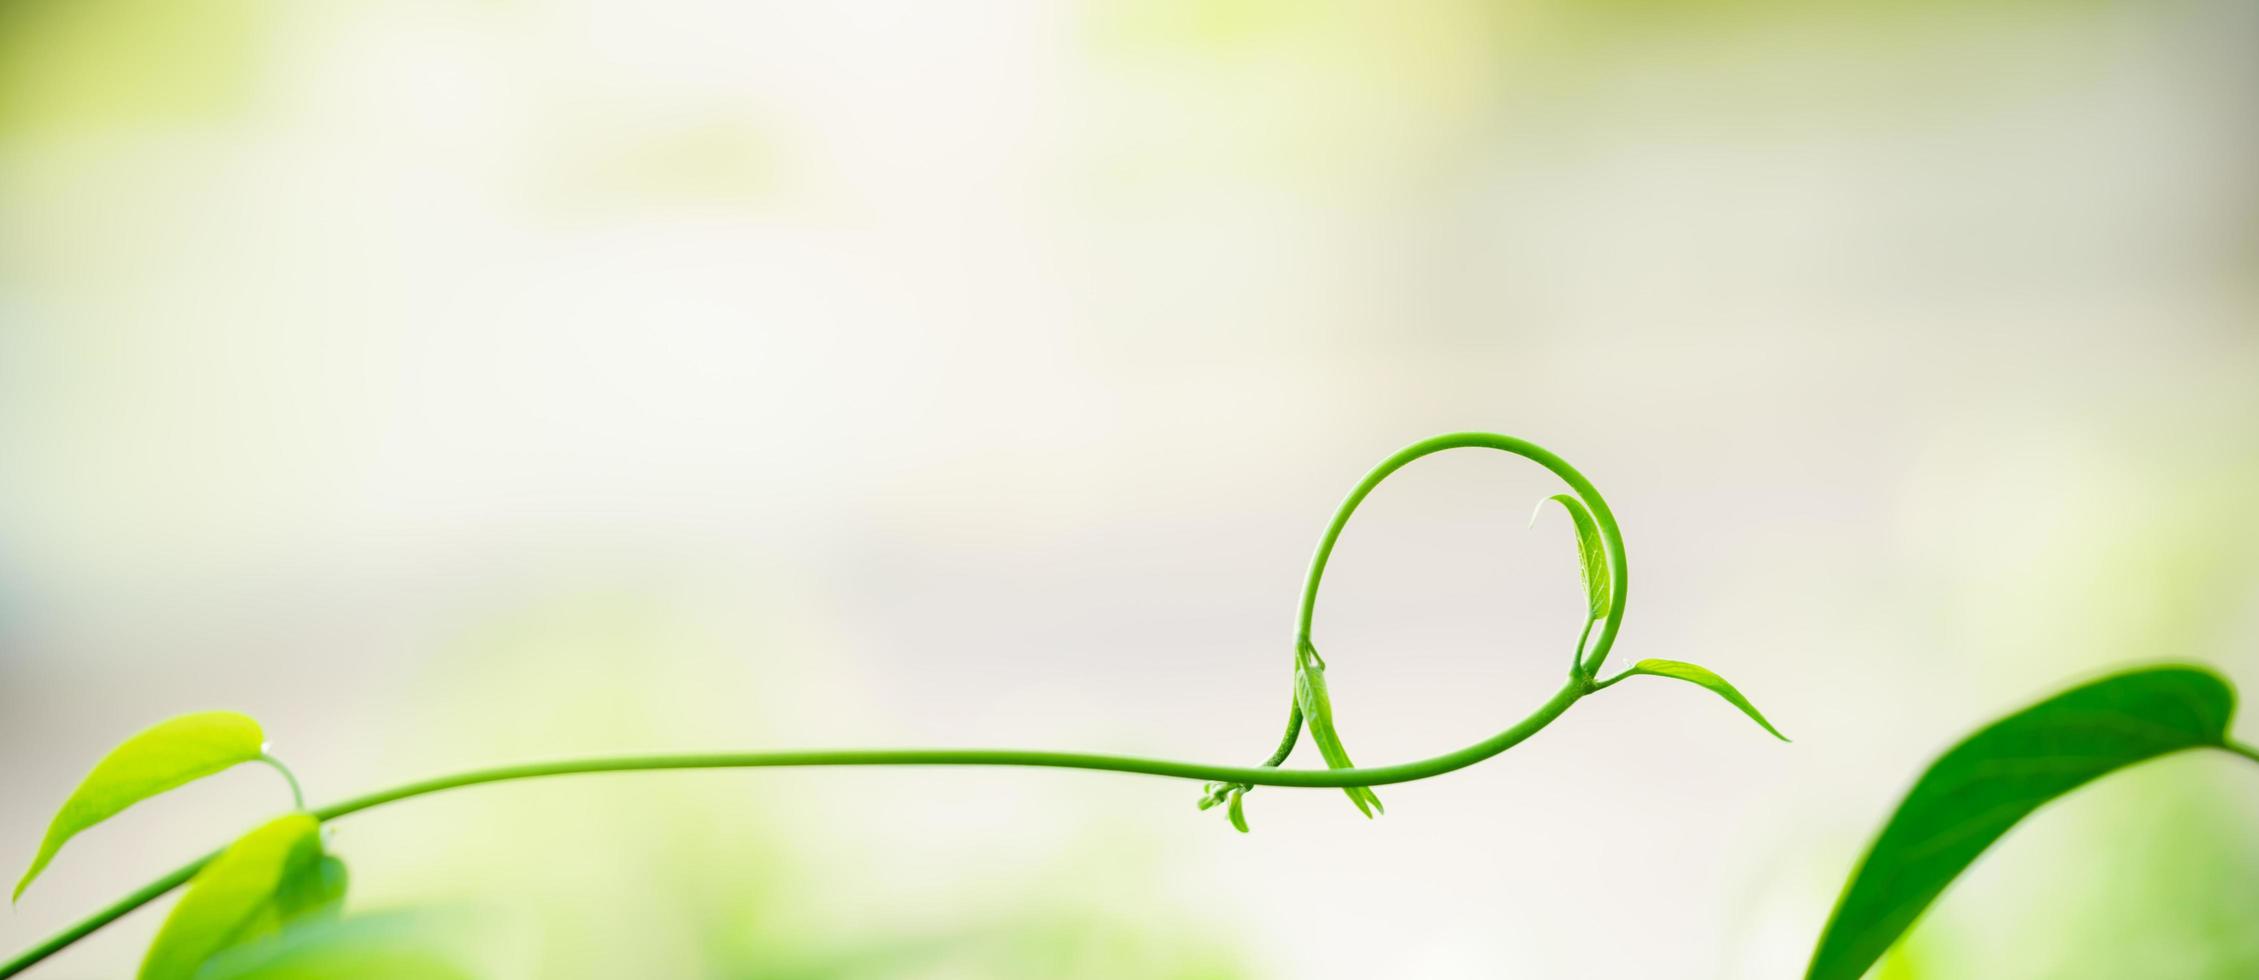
[(297, 796), (1579, 684), (1610, 535), (1582, 668)]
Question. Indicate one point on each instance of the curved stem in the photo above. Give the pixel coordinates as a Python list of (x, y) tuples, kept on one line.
[(1611, 537), (1576, 660), (297, 796), (1286, 744), (2243, 750), (1251, 775), (1580, 665)]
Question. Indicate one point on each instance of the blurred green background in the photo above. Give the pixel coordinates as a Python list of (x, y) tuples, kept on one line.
[(458, 383)]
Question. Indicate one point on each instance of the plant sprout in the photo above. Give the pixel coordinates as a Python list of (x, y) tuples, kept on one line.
[(266, 904)]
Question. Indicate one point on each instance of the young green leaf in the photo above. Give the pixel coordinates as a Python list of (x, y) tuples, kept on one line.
[(1702, 676), (1592, 556), (1238, 812), (167, 755), (267, 878), (1317, 711), (1979, 789), (1214, 793)]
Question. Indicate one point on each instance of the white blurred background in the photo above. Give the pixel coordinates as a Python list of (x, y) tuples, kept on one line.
[(457, 383)]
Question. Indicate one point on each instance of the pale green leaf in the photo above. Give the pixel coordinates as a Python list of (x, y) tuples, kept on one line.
[(390, 946), (165, 756), (1592, 555), (1693, 674), (240, 896), (1238, 812), (1979, 789)]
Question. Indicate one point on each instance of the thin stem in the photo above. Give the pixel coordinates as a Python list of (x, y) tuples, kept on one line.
[(2243, 750), (1251, 775), (1576, 660), (297, 796), (1611, 537), (116, 910), (1286, 744)]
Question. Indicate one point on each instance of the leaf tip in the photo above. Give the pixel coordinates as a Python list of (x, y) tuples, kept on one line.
[(47, 849)]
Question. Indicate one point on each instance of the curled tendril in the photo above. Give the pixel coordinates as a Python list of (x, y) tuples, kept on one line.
[(1601, 554)]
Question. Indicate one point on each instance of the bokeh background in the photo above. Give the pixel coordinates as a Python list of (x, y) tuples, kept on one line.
[(455, 383)]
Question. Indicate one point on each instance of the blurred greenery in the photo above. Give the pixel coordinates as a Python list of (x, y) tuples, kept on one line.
[(382, 946), (67, 66)]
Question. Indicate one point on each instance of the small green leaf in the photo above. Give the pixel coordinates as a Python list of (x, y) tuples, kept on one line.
[(1238, 813), (1703, 676), (267, 878), (167, 755), (1317, 711), (1592, 556), (1981, 788)]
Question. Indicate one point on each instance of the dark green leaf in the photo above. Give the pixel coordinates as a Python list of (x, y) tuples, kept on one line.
[(266, 878), (1693, 674), (1980, 788), (164, 756), (1592, 556)]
